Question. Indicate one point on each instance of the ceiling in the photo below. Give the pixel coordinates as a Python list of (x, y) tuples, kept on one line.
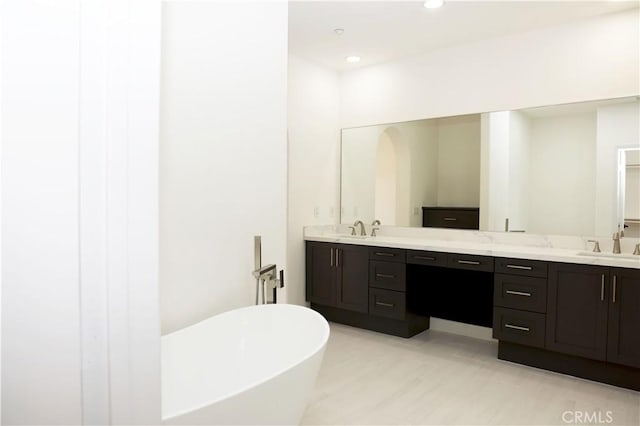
[(380, 31)]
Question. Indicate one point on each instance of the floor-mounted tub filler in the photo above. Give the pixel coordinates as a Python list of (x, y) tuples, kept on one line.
[(253, 365)]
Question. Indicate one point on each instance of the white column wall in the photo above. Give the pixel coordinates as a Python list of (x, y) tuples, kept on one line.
[(80, 325), (41, 362), (313, 163)]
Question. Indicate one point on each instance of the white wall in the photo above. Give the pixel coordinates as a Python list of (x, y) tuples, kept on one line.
[(519, 165), (422, 137), (494, 167), (313, 163), (591, 59), (80, 326), (223, 154), (458, 165), (358, 172), (562, 160)]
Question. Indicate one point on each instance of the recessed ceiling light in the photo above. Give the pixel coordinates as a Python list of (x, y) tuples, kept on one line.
[(433, 4), (352, 59)]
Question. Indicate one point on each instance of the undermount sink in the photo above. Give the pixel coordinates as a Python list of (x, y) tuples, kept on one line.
[(357, 237), (625, 256)]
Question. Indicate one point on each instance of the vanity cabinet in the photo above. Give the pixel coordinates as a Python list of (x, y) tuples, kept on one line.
[(578, 307), (582, 320), (451, 217), (363, 287), (337, 276), (623, 345), (520, 301), (387, 283), (594, 312)]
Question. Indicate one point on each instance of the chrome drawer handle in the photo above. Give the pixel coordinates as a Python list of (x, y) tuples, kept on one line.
[(518, 293), (468, 262), (386, 305), (385, 254), (424, 257), (525, 268), (613, 300), (385, 276), (450, 218), (517, 327)]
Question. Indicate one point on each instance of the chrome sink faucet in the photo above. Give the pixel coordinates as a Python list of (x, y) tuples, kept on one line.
[(362, 230), (616, 242), (373, 227)]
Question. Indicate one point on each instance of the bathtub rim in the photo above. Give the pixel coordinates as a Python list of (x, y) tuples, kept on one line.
[(316, 349)]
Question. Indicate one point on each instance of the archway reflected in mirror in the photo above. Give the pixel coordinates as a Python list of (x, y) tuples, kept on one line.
[(392, 179)]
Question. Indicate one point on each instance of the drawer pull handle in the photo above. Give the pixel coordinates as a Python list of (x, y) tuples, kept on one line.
[(332, 257), (524, 268), (424, 258), (517, 327), (385, 276), (613, 299), (450, 219), (518, 293), (386, 305), (384, 254), (602, 289), (468, 262)]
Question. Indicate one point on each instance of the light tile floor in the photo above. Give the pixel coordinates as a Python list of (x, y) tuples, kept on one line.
[(368, 378)]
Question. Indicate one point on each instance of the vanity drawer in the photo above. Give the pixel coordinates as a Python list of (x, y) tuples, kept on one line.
[(387, 303), (460, 218), (518, 292), (386, 254), (471, 262), (530, 268), (524, 328), (389, 275), (432, 258)]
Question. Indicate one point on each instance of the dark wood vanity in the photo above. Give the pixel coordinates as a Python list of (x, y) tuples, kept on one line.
[(451, 217), (582, 320)]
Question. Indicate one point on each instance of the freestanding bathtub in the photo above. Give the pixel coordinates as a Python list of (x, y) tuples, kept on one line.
[(254, 365)]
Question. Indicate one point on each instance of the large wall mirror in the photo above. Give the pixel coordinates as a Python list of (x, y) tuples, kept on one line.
[(564, 169)]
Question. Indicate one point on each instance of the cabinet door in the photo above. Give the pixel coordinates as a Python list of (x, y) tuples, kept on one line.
[(353, 278), (321, 273), (624, 318), (577, 308)]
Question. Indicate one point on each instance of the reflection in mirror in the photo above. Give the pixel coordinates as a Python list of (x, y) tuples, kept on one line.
[(629, 191), (390, 172), (544, 170)]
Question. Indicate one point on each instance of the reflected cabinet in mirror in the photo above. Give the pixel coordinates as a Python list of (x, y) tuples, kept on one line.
[(564, 169)]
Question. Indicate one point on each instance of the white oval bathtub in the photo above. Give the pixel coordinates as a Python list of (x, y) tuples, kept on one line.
[(254, 365)]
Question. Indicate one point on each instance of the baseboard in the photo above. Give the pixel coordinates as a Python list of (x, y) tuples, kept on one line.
[(599, 371)]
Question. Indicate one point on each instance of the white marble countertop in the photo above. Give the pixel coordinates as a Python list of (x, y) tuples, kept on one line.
[(568, 249)]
